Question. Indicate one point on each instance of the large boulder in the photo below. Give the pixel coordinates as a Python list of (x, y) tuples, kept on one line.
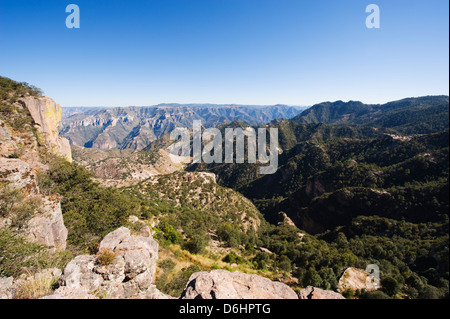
[(311, 292), (222, 284), (47, 116), (354, 279), (47, 227), (128, 275)]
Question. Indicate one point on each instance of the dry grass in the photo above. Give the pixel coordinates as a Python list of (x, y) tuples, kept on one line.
[(35, 288)]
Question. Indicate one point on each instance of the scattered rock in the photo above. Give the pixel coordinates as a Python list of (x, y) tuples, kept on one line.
[(129, 275), (311, 292), (222, 284)]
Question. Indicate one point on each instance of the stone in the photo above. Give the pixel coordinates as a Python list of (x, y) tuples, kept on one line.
[(18, 175), (47, 227), (317, 293), (354, 278), (222, 284), (129, 275), (6, 287)]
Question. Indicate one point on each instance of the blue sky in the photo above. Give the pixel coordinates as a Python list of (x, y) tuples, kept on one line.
[(296, 52)]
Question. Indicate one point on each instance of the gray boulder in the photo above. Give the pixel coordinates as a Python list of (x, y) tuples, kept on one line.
[(129, 275), (317, 293), (222, 284)]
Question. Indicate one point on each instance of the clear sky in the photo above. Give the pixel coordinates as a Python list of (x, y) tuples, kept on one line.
[(137, 52)]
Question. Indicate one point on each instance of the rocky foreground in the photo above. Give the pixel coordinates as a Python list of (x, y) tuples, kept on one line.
[(130, 274)]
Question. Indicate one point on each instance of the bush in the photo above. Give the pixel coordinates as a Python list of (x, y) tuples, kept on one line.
[(377, 294), (90, 212), (232, 258), (106, 256), (285, 263), (171, 234), (16, 254), (430, 292), (348, 293), (176, 286), (196, 244), (390, 286), (167, 264)]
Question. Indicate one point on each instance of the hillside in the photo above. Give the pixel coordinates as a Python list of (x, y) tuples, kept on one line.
[(356, 186), (426, 114), (124, 167)]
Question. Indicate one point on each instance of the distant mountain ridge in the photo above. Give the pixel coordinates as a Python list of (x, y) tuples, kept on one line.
[(136, 127), (419, 115)]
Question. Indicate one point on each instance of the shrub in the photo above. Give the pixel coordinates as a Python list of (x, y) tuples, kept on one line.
[(171, 234), (377, 294), (196, 244), (106, 256), (390, 286), (232, 258), (16, 254), (167, 264), (348, 293)]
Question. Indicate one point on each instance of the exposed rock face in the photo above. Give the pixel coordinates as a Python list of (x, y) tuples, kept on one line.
[(6, 287), (354, 278), (317, 293), (6, 139), (47, 116), (129, 275), (18, 175), (47, 225), (222, 284)]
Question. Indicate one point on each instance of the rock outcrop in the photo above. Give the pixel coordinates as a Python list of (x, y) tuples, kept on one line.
[(47, 116), (129, 275), (46, 225), (317, 293), (354, 278), (18, 175), (28, 286), (222, 284), (6, 287)]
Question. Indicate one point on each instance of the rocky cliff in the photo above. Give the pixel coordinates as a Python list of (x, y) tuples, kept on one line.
[(47, 116)]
